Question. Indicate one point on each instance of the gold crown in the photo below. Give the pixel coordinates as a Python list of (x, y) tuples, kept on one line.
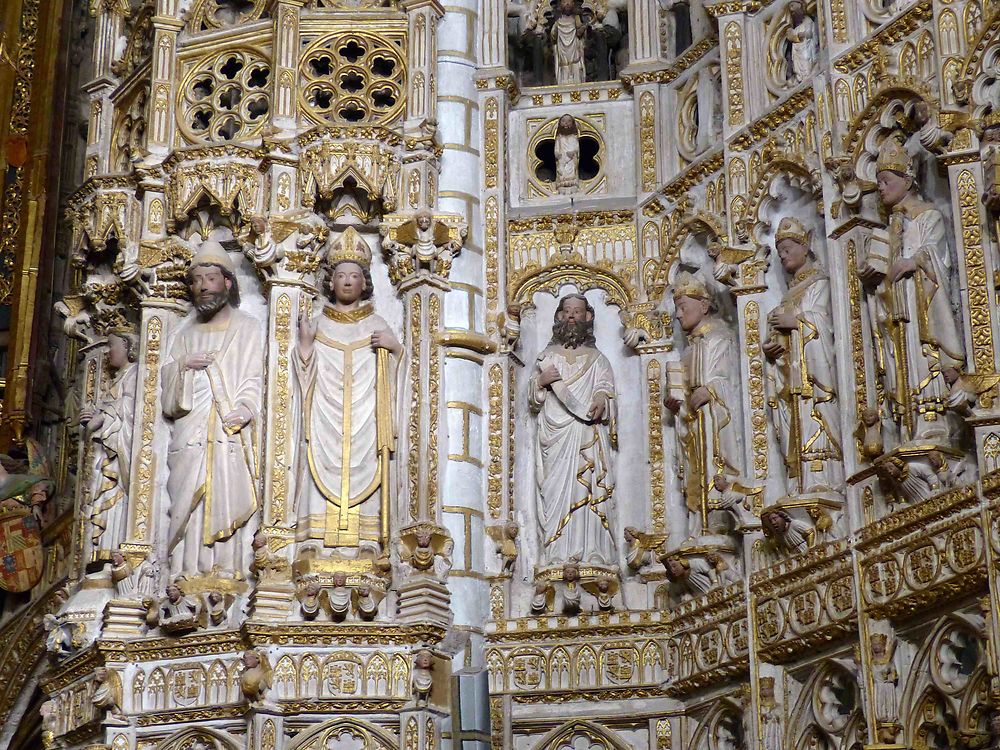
[(893, 156), (211, 253), (686, 285), (350, 246), (792, 229)]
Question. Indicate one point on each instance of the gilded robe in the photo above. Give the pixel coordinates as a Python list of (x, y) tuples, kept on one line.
[(213, 471), (574, 466), (112, 459), (803, 380), (349, 402)]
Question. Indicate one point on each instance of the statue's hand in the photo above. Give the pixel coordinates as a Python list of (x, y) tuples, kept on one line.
[(307, 334), (548, 376), (672, 403), (86, 414), (902, 268), (783, 321), (238, 418), (95, 422), (598, 408), (384, 339), (699, 397), (772, 349), (198, 360)]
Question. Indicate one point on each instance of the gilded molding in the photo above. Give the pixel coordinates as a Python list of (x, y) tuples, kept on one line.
[(146, 471), (414, 431), (975, 270), (694, 175), (755, 385), (491, 143), (280, 410), (434, 401), (494, 475), (647, 139), (885, 38), (656, 472), (734, 71)]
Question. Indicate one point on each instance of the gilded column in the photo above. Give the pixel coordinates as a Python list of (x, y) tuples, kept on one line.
[(286, 58), (166, 26)]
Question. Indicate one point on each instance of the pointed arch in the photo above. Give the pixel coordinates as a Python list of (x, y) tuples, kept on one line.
[(562, 737), (185, 737)]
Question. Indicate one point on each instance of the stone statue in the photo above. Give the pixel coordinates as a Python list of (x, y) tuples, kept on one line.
[(107, 693), (177, 613), (504, 537), (255, 678), (339, 597), (910, 294), (572, 390), (568, 32), (422, 244), (346, 367), (689, 576), (58, 641), (571, 587), (212, 391), (802, 39), (367, 602), (770, 715), (886, 678), (639, 547), (109, 425), (311, 600), (422, 679), (800, 344), (707, 402), (567, 148), (790, 533)]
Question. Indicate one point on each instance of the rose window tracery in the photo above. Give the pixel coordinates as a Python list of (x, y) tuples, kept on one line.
[(226, 97), (353, 78)]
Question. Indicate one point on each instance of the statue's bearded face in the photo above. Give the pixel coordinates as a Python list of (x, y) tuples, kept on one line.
[(209, 289), (690, 312), (574, 324), (793, 255), (348, 283), (892, 186)]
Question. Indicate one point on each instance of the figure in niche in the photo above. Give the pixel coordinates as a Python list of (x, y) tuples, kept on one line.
[(346, 366), (789, 533), (707, 401), (529, 41), (572, 390), (568, 32), (800, 344), (212, 390), (909, 284), (567, 155), (770, 715), (109, 425), (802, 42), (886, 678), (603, 44), (176, 613)]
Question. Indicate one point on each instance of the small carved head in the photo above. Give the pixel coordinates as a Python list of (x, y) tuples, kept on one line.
[(424, 538), (567, 7), (775, 522), (174, 593), (101, 674), (251, 659), (340, 579), (720, 482), (878, 644), (123, 348), (567, 126), (511, 530), (870, 417), (571, 572), (214, 598), (767, 687), (677, 568), (631, 534), (312, 588), (796, 11), (424, 219), (423, 660), (936, 459), (603, 585), (364, 590), (259, 541)]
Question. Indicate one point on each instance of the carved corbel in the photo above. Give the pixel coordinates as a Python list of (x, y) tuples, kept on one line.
[(421, 245), (425, 548)]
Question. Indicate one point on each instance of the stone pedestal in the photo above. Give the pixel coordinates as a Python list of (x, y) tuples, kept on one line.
[(424, 599), (272, 601), (124, 618)]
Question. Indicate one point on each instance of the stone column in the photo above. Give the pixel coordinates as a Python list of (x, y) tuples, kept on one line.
[(110, 25), (166, 26), (644, 33), (286, 58)]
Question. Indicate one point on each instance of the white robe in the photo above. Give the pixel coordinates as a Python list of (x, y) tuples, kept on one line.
[(804, 49), (930, 329), (573, 457), (710, 436), (568, 51), (338, 383), (113, 453), (213, 475), (805, 377), (567, 148)]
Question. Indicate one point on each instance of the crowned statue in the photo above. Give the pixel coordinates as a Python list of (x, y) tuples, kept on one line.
[(572, 390), (212, 393), (706, 401), (109, 425), (803, 375), (346, 366), (908, 276)]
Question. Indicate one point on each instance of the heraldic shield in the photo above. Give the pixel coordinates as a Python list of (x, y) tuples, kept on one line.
[(21, 554)]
